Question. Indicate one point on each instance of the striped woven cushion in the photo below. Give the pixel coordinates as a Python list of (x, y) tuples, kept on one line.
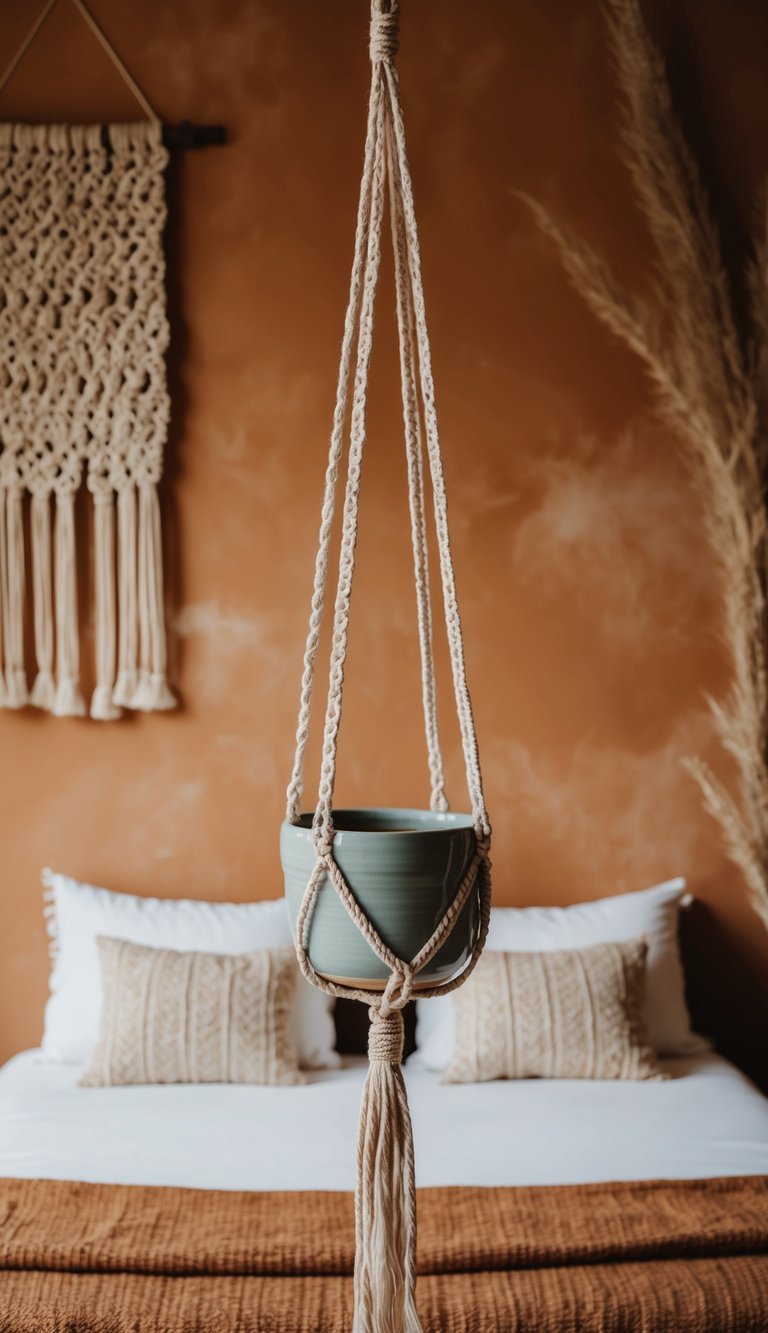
[(572, 1013), (171, 1017)]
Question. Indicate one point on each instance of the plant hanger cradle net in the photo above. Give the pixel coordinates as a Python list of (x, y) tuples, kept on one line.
[(385, 1208)]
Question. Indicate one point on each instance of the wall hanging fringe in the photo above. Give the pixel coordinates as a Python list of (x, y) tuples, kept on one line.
[(43, 691), (103, 706), (15, 679), (83, 335)]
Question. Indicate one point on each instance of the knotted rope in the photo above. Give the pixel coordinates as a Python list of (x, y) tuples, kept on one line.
[(74, 208), (116, 420), (385, 28), (385, 1200)]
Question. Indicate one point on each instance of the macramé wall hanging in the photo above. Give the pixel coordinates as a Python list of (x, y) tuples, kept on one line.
[(386, 903), (84, 397), (83, 331)]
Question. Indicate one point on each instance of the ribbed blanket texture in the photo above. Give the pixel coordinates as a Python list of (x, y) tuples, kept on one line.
[(651, 1256)]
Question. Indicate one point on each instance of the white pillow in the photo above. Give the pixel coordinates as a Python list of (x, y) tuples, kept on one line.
[(651, 912), (77, 913)]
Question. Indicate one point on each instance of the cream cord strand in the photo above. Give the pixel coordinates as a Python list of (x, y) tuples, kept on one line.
[(103, 706), (413, 447), (68, 701), (127, 593), (101, 38), (3, 600), (452, 617), (15, 676), (44, 690), (296, 785), (323, 816)]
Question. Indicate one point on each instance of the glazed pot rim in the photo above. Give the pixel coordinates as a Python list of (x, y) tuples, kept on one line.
[(427, 823)]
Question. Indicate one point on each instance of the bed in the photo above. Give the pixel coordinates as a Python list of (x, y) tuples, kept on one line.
[(543, 1205)]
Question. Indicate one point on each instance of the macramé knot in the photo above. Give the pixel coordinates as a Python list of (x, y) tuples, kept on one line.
[(323, 846), (385, 1036), (384, 43)]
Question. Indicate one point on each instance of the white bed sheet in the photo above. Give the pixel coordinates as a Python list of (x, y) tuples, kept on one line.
[(707, 1120)]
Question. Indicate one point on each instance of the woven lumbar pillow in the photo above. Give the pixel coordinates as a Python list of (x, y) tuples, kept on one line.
[(78, 913), (170, 1017), (571, 1013)]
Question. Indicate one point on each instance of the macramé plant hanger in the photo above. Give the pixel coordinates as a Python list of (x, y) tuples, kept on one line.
[(83, 335), (386, 902)]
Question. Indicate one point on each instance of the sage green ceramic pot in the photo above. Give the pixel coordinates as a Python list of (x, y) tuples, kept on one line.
[(404, 867)]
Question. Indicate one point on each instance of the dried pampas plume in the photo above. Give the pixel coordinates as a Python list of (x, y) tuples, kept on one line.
[(711, 387)]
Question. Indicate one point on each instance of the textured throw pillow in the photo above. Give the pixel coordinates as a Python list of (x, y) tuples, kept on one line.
[(652, 912), (77, 913), (170, 1017), (571, 1013)]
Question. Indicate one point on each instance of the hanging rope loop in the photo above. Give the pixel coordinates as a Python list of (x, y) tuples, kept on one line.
[(385, 1198), (397, 991), (386, 178), (385, 28)]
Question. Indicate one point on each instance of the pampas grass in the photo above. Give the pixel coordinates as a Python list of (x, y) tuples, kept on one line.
[(711, 387)]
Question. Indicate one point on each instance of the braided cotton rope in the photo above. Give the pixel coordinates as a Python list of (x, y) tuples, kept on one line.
[(413, 447), (296, 785), (101, 38), (385, 1211)]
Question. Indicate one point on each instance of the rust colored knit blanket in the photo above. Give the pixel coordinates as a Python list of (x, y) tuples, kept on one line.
[(689, 1255)]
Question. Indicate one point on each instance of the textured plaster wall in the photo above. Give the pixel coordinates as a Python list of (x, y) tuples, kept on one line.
[(590, 600)]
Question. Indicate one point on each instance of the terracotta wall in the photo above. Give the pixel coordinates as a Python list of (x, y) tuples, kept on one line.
[(591, 604)]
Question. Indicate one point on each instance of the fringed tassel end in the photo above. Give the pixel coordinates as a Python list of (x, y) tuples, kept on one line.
[(162, 696), (141, 651), (153, 692), (126, 685), (4, 605), (140, 700), (16, 693), (43, 693), (44, 689), (385, 1199), (103, 705), (68, 701), (127, 682)]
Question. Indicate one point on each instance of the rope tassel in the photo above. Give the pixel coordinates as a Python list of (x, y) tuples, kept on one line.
[(102, 705), (68, 701), (13, 607), (44, 689), (3, 600), (153, 692), (125, 686), (385, 1198)]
